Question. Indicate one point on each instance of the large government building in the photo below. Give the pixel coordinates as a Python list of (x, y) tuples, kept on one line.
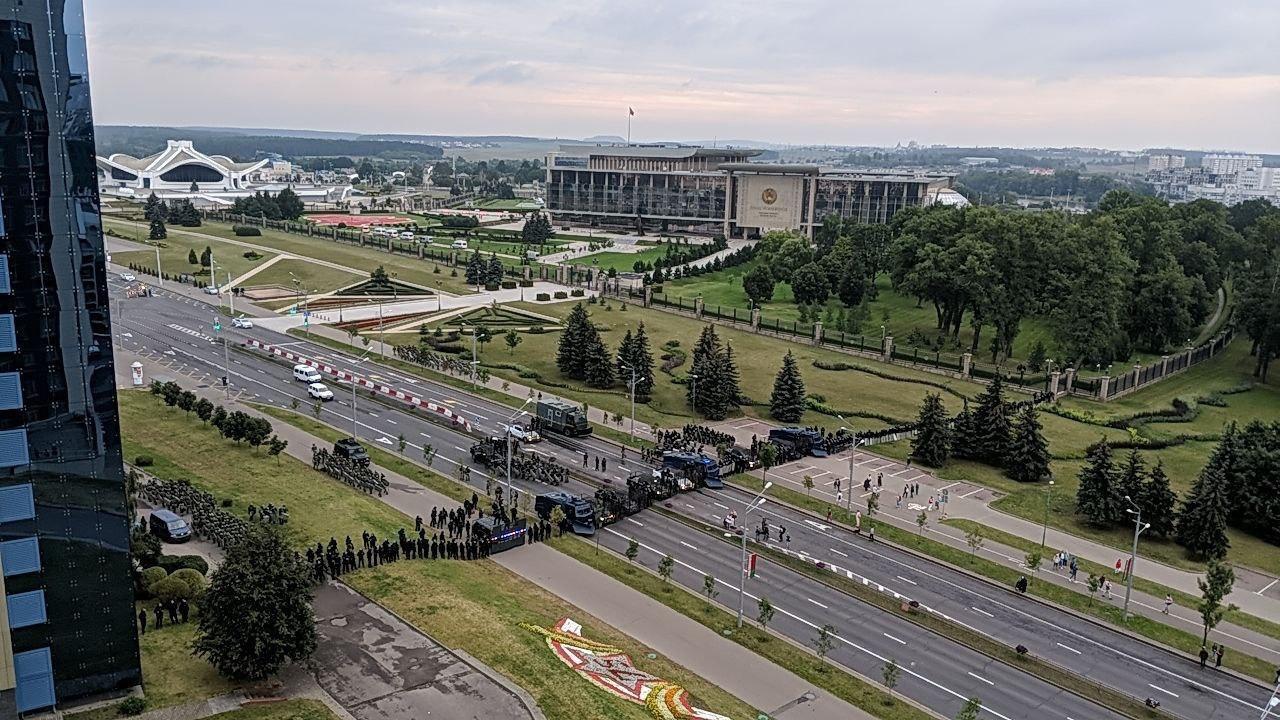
[(668, 187), (67, 626)]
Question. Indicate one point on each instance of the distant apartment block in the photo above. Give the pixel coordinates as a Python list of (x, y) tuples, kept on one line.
[(1157, 163), (1215, 164)]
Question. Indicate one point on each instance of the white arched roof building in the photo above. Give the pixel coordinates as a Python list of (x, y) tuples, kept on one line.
[(175, 168)]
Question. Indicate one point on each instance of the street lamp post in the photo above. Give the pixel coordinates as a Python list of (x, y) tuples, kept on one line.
[(853, 450), (1273, 701), (226, 360), (353, 394), (1138, 527), (1044, 531), (634, 380), (521, 412), (694, 378), (159, 271), (755, 504)]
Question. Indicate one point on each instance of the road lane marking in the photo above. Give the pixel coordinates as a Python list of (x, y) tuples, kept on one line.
[(838, 552), (1068, 647), (1268, 587), (897, 640), (982, 679), (815, 602), (984, 612), (689, 546), (913, 582), (723, 507), (633, 521), (1166, 692), (393, 422)]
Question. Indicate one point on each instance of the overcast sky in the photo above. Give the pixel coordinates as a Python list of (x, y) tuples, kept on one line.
[(1107, 73)]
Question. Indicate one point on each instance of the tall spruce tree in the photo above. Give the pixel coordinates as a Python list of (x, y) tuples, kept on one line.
[(155, 209), (932, 442), (991, 425), (626, 349), (963, 443), (729, 378), (569, 354), (705, 351), (493, 270), (1158, 502), (1131, 480), (642, 360), (1202, 524), (475, 269), (157, 231), (786, 403), (1096, 497), (597, 366), (1028, 458)]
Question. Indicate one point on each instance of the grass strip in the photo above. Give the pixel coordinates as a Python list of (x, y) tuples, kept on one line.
[(297, 709), (1154, 630), (475, 606), (1049, 672), (1150, 587)]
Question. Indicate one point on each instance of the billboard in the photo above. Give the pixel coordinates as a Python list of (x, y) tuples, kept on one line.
[(770, 202)]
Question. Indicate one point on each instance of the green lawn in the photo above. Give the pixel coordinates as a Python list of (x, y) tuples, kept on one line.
[(622, 262), (176, 253), (361, 259), (511, 204), (314, 278), (287, 710), (475, 606)]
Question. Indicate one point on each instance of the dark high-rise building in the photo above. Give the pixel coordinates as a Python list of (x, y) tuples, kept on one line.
[(66, 623)]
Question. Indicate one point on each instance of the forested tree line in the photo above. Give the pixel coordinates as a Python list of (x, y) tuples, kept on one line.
[(993, 187), (1003, 434), (284, 205), (1135, 274)]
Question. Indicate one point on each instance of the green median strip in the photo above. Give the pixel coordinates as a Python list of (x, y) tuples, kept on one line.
[(1148, 628), (1049, 672)]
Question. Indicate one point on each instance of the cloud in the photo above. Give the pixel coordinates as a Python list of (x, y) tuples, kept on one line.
[(512, 73)]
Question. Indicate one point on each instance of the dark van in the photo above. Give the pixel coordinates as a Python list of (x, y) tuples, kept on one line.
[(168, 526)]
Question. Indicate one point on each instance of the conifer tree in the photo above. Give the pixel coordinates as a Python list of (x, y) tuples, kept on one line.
[(1130, 481), (1158, 502), (932, 442), (1202, 524), (963, 443), (625, 350), (1028, 458), (731, 379), (569, 355), (155, 209), (991, 425), (493, 270), (596, 366), (475, 269), (1096, 498), (158, 231), (704, 352), (642, 361), (786, 403)]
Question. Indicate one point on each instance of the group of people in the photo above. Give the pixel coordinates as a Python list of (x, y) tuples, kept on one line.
[(358, 475), (1216, 653), (208, 521), (270, 514), (533, 467), (179, 611)]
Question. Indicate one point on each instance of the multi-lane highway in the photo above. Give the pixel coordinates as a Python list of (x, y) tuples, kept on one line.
[(937, 672)]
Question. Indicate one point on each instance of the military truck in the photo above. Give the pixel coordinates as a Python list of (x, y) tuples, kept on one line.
[(579, 513), (564, 418), (804, 441), (698, 468)]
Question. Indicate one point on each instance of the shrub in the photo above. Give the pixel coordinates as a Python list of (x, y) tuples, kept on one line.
[(144, 461), (193, 579), (174, 563), (245, 231), (525, 283), (561, 295), (132, 706), (170, 589), (491, 286), (577, 292), (536, 330), (151, 576), (508, 284), (252, 255), (544, 296)]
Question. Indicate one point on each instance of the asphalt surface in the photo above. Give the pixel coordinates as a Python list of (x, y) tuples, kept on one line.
[(936, 672)]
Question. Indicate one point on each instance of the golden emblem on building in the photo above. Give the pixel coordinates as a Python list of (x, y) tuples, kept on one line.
[(769, 196)]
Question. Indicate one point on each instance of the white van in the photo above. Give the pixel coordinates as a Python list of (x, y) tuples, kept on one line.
[(407, 235), (459, 244), (306, 374)]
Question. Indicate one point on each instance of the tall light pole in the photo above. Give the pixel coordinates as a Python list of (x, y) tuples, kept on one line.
[(1138, 527), (694, 378), (634, 380), (520, 412), (1273, 701), (755, 504), (1044, 531), (353, 393), (159, 272), (230, 298), (853, 450), (226, 364)]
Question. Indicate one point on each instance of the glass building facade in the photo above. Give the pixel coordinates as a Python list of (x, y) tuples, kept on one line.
[(67, 619)]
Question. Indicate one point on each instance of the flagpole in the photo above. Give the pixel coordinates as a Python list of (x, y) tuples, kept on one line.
[(629, 126)]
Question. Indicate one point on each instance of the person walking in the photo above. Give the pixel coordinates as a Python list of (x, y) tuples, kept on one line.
[(1118, 566), (1106, 588), (142, 620), (1168, 600), (1204, 656), (1217, 658)]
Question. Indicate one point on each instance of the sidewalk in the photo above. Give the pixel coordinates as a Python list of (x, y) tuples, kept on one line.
[(738, 671)]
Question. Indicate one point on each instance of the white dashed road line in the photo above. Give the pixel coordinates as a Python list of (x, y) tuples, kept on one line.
[(1068, 647), (815, 602), (984, 612), (689, 546), (1166, 692), (979, 677), (897, 640)]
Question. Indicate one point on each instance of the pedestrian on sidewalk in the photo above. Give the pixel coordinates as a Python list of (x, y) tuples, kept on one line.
[(879, 479), (1075, 568), (1106, 589), (1168, 600), (1204, 657), (604, 465), (828, 513), (584, 459), (898, 502), (142, 620), (782, 530), (1119, 564), (1217, 660)]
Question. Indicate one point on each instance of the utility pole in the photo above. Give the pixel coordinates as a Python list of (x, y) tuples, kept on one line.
[(1044, 531), (231, 298), (474, 358), (1138, 527), (755, 504), (159, 272), (226, 365)]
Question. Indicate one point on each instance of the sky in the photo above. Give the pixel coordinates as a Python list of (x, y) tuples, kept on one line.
[(1119, 74)]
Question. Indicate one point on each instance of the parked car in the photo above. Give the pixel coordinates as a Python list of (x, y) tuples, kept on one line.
[(459, 244), (306, 374), (351, 449), (127, 277), (242, 322), (407, 235), (524, 434), (167, 526), (319, 391), (211, 290)]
